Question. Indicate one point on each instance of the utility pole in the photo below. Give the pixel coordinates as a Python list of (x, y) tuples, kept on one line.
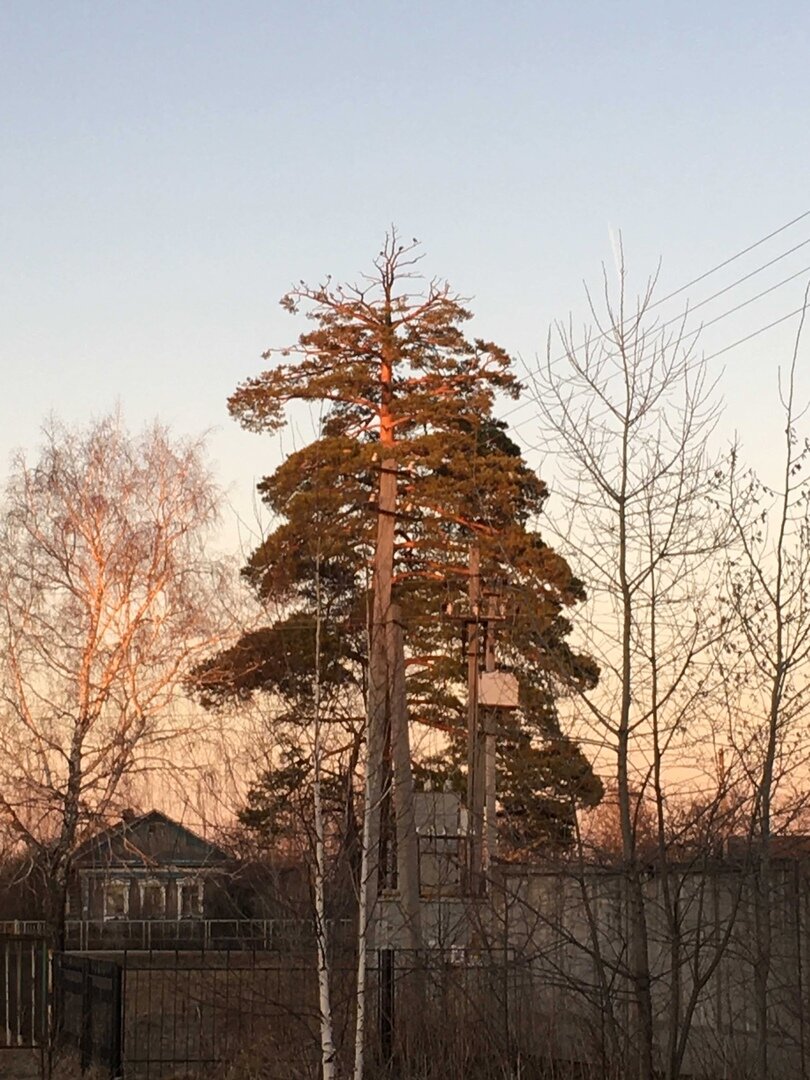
[(488, 693), (390, 809), (488, 719), (379, 779), (378, 759), (475, 748)]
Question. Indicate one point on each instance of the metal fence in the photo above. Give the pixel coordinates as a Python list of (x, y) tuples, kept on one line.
[(98, 935), (190, 1014), (88, 1010), (24, 986), (198, 1011), (116, 935)]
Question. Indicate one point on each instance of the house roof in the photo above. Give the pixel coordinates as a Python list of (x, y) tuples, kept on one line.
[(787, 846), (153, 839)]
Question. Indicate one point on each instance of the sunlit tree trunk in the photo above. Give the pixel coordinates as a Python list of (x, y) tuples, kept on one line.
[(321, 924)]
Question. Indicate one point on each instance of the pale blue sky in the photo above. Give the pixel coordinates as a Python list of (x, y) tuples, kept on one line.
[(169, 168)]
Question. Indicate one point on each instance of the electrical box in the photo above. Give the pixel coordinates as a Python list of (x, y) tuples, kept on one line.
[(498, 690)]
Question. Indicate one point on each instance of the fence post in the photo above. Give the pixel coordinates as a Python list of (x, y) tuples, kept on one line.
[(86, 1036), (117, 1024), (47, 995), (54, 1013), (18, 991), (385, 1012)]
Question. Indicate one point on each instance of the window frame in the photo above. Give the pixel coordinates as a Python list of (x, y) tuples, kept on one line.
[(109, 884), (194, 887)]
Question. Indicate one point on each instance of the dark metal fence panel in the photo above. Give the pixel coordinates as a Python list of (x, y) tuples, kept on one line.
[(116, 935), (386, 996), (188, 1014), (191, 1012), (89, 1010), (23, 991)]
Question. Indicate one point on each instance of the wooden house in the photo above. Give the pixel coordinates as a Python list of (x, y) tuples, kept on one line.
[(146, 867)]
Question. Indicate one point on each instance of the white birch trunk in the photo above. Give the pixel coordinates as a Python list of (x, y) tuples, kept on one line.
[(364, 909), (321, 929), (362, 943)]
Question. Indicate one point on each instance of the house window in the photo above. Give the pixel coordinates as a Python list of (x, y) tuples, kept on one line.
[(153, 899), (189, 899), (116, 899)]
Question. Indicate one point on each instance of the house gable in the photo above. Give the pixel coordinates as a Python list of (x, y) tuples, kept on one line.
[(150, 840)]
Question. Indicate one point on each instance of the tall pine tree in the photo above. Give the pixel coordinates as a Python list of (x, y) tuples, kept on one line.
[(459, 478)]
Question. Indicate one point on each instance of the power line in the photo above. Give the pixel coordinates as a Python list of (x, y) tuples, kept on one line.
[(745, 277), (733, 258), (738, 307), (718, 352), (720, 266), (693, 333), (755, 333)]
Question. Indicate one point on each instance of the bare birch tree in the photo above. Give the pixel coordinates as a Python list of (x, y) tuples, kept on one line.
[(328, 1051), (107, 597), (629, 414), (769, 594)]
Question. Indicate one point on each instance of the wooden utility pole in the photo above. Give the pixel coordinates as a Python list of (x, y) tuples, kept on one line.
[(379, 780), (390, 782), (379, 681), (475, 754), (488, 693), (488, 718)]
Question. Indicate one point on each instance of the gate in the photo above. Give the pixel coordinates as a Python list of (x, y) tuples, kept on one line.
[(24, 987), (88, 1007)]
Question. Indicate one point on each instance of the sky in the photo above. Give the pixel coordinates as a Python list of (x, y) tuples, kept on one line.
[(169, 169)]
